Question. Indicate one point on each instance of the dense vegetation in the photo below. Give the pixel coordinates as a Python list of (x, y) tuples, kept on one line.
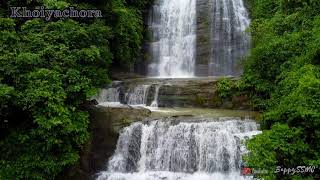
[(49, 69), (47, 72), (282, 75)]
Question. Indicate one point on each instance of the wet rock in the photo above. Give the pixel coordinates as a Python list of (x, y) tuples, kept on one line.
[(196, 93)]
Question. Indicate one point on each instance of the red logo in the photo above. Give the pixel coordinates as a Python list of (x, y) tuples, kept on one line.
[(246, 171)]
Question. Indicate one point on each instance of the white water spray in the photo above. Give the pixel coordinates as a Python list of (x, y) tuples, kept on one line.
[(229, 40), (156, 96), (138, 96), (172, 150), (174, 38)]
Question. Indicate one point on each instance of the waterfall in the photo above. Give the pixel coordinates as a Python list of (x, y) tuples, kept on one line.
[(173, 46), (156, 95), (138, 96), (229, 40), (173, 26), (165, 149), (109, 96)]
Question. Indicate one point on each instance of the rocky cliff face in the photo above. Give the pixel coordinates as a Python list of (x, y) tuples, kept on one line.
[(196, 92), (203, 38)]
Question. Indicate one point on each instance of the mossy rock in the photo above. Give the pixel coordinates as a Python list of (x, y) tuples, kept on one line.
[(200, 101)]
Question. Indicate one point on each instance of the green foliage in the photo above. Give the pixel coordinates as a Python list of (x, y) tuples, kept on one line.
[(297, 99), (128, 29), (140, 4), (282, 73), (277, 147), (48, 69), (48, 78), (227, 87), (263, 8), (199, 100), (224, 87), (55, 4), (128, 35)]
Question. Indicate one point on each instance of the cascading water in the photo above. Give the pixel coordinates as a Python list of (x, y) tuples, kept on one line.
[(229, 40), (109, 96), (156, 95), (174, 150), (173, 26), (169, 149), (138, 96)]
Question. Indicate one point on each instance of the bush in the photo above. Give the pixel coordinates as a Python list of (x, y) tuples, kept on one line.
[(47, 72), (282, 75)]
